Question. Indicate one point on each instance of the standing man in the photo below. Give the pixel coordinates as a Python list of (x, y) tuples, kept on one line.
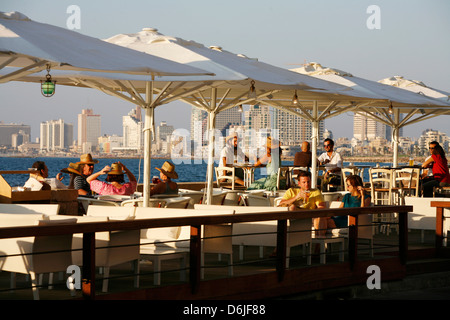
[(332, 161), (86, 167), (306, 198)]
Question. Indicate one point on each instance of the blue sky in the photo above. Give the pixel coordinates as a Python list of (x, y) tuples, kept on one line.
[(412, 42)]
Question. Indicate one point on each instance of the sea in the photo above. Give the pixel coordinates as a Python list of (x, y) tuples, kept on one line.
[(188, 170)]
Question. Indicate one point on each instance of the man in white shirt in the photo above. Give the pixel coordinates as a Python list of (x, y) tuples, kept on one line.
[(332, 161), (232, 154)]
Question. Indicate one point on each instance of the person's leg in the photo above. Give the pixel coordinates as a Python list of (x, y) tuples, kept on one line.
[(428, 188)]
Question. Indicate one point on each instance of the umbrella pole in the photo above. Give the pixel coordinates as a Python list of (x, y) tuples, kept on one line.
[(211, 128), (148, 141), (314, 143), (396, 136)]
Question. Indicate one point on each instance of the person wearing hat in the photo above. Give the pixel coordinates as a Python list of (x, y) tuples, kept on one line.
[(72, 170), (86, 168), (272, 160), (115, 183), (232, 154), (166, 185)]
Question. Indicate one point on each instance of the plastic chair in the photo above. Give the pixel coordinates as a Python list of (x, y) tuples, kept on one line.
[(221, 174), (252, 200), (155, 203), (407, 182), (382, 192), (179, 202), (293, 172), (283, 174)]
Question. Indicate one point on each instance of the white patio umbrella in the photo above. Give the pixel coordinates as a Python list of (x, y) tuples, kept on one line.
[(238, 80), (394, 100), (33, 46), (422, 89), (417, 87), (234, 77)]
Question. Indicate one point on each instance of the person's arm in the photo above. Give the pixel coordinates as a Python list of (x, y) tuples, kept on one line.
[(262, 161), (290, 199), (365, 201), (94, 176), (130, 175), (321, 205), (427, 162)]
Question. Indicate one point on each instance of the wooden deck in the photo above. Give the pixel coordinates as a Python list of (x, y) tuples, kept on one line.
[(399, 255)]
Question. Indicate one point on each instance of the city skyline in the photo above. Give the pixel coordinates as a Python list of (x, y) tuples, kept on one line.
[(285, 34)]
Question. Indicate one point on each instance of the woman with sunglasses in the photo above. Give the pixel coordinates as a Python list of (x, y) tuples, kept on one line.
[(438, 161)]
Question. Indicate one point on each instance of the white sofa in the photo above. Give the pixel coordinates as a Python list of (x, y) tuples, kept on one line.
[(299, 230), (20, 253)]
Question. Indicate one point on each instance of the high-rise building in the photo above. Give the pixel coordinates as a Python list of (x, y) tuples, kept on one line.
[(257, 124), (163, 131), (133, 130), (199, 119), (366, 128), (89, 129), (228, 118), (8, 129), (19, 138), (293, 130), (55, 135)]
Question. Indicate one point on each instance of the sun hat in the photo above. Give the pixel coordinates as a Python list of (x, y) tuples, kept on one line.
[(72, 168), (87, 159), (169, 170), (231, 136), (115, 169)]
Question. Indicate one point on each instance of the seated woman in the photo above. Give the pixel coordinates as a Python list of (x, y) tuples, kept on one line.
[(441, 176), (272, 160), (356, 197), (165, 185), (115, 182)]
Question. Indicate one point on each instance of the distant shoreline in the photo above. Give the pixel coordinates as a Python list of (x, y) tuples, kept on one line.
[(382, 159)]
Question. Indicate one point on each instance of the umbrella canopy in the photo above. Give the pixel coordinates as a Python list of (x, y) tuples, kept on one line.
[(238, 80), (416, 86), (35, 46), (395, 100)]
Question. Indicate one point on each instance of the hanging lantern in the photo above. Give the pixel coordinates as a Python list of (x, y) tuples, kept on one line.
[(48, 86)]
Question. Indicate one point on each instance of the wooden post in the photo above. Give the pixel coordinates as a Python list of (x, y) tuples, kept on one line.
[(281, 248), (88, 282), (195, 258), (352, 240), (403, 236), (439, 229)]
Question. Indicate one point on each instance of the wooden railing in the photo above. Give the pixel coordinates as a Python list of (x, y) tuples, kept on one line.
[(89, 229), (440, 205)]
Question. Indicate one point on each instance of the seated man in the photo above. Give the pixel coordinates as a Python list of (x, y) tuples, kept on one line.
[(307, 198), (332, 161), (232, 154)]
